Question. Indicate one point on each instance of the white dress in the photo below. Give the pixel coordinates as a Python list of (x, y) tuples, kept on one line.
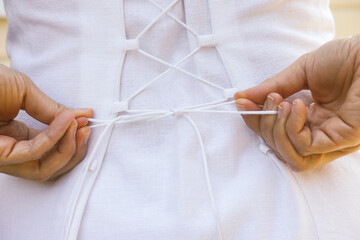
[(180, 175)]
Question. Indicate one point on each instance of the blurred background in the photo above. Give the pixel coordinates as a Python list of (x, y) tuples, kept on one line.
[(346, 13)]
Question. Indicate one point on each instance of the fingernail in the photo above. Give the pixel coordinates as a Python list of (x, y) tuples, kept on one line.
[(240, 107), (293, 106), (86, 138), (279, 112), (270, 102)]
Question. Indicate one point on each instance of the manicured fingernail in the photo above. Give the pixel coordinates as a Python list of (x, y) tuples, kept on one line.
[(269, 103), (279, 112), (86, 138)]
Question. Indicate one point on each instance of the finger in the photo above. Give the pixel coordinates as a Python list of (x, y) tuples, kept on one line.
[(41, 107), (37, 104), (267, 122), (300, 154), (15, 129), (82, 122), (318, 160), (287, 82), (329, 130), (283, 145), (252, 121), (279, 157), (23, 151), (83, 112), (50, 163), (298, 133), (33, 133), (82, 137)]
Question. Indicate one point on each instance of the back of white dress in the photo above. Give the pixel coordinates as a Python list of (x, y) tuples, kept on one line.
[(161, 172)]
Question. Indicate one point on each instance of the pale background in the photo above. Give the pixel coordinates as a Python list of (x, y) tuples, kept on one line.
[(346, 13)]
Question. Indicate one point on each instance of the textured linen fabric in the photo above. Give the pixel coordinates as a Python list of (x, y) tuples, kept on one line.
[(151, 183)]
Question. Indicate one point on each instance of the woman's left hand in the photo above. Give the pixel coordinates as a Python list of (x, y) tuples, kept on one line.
[(308, 137)]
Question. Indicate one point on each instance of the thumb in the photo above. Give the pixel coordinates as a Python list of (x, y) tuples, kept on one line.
[(37, 104), (41, 107), (252, 121), (287, 82)]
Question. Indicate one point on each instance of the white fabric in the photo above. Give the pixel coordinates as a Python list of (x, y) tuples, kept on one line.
[(146, 179)]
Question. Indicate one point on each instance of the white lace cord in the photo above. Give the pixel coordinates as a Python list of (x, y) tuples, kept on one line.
[(156, 19), (147, 115), (97, 155), (192, 31), (180, 70), (142, 115), (150, 116), (171, 66), (284, 171), (162, 74), (208, 181), (100, 148), (306, 201)]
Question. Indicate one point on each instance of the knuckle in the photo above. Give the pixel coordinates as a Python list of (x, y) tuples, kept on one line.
[(302, 150), (70, 150), (5, 151), (354, 43), (33, 150), (276, 96), (81, 154), (59, 109), (21, 80), (278, 155), (307, 163), (53, 178), (81, 157), (34, 167), (279, 87), (49, 135), (298, 167), (44, 175), (266, 126), (67, 150)]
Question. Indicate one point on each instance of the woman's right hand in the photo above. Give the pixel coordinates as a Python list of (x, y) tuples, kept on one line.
[(33, 154)]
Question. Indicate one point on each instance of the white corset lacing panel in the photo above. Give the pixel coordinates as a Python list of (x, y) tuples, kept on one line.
[(121, 113)]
